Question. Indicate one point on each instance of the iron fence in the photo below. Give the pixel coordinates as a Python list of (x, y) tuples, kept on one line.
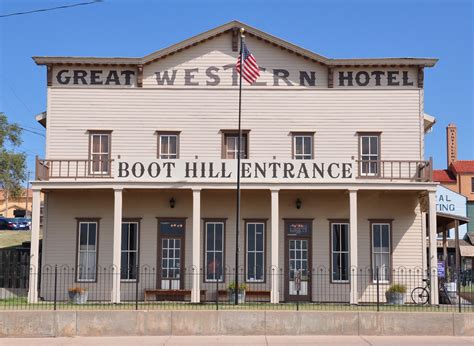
[(63, 287)]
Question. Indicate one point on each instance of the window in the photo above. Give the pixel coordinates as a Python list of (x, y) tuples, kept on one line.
[(255, 245), (214, 251), (99, 152), (340, 252), (369, 154), (168, 145), (302, 146), (129, 253), (381, 250), (472, 185), (230, 144), (87, 250)]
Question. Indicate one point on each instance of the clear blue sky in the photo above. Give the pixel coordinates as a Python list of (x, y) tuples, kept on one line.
[(338, 29)]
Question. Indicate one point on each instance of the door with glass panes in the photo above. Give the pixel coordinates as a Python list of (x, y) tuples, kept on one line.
[(298, 260), (171, 235)]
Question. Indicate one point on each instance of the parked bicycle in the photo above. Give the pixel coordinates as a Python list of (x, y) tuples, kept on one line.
[(421, 295)]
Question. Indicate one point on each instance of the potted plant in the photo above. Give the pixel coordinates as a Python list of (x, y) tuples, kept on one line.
[(78, 295), (240, 294), (395, 295)]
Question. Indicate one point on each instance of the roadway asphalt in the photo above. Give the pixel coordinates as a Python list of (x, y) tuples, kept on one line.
[(243, 340)]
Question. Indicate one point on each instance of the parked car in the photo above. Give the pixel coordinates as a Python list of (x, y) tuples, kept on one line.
[(22, 223), (8, 224)]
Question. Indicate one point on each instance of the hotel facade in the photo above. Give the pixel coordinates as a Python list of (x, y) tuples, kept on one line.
[(140, 170)]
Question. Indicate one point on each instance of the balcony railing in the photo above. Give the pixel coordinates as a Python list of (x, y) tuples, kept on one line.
[(412, 170), (63, 168)]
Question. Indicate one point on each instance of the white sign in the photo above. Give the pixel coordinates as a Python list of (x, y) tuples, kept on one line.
[(450, 202), (301, 171)]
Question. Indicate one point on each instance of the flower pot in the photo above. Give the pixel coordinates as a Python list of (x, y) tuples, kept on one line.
[(395, 298), (240, 297), (78, 297)]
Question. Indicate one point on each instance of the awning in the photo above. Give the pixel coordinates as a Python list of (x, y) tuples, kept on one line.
[(466, 250), (447, 221)]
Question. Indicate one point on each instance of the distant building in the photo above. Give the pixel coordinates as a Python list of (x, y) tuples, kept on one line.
[(16, 207)]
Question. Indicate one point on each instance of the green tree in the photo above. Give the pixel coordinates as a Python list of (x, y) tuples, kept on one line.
[(12, 162)]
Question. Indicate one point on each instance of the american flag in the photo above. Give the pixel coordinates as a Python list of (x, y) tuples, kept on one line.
[(251, 71)]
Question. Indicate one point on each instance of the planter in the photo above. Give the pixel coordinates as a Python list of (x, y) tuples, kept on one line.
[(78, 297), (395, 298), (240, 297)]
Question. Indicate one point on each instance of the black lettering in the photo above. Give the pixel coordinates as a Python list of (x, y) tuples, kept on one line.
[(319, 169), (224, 171), (362, 78), (346, 170), (235, 77), (168, 166), (405, 79), (246, 170), (257, 83), (80, 75), (141, 169), (345, 77), (154, 170), (378, 76), (330, 170), (305, 78), (303, 171), (203, 169), (215, 78), (123, 170), (95, 77), (193, 170), (288, 168), (63, 79), (189, 75), (262, 169), (273, 166), (112, 77), (392, 78), (128, 76), (281, 74), (211, 171), (166, 78)]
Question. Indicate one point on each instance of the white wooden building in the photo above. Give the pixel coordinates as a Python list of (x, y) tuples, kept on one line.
[(143, 150)]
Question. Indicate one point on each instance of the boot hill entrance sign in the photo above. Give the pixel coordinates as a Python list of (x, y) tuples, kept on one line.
[(306, 171)]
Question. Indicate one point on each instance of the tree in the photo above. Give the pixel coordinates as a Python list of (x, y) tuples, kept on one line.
[(12, 163)]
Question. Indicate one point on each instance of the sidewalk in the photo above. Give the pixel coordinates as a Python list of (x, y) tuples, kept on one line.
[(244, 340)]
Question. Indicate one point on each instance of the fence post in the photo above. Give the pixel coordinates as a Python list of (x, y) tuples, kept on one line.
[(217, 291), (378, 288), (459, 290), (136, 287), (55, 285)]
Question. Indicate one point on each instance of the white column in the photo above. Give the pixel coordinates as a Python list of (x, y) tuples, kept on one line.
[(353, 245), (433, 248), (116, 255), (196, 289), (423, 242), (275, 229), (34, 248)]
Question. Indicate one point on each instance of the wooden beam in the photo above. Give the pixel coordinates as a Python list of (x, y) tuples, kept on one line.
[(49, 75), (140, 76), (330, 77), (235, 39)]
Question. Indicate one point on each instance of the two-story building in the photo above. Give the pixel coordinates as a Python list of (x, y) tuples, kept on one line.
[(140, 170)]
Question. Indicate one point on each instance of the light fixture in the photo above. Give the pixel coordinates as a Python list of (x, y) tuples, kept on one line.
[(172, 202), (298, 203)]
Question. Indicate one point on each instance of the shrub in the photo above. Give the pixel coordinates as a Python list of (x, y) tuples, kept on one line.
[(231, 287), (397, 288), (79, 290)]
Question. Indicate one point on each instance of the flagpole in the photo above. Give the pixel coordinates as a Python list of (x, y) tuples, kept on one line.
[(237, 216)]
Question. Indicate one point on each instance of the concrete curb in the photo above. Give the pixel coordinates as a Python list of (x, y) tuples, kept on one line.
[(165, 323)]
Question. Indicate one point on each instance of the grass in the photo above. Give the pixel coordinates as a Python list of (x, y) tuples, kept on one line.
[(14, 238)]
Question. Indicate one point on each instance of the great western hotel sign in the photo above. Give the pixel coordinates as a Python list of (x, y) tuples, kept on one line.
[(307, 171)]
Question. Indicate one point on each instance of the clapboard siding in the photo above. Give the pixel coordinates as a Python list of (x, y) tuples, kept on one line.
[(135, 114)]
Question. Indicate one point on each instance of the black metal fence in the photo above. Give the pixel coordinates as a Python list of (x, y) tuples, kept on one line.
[(401, 289)]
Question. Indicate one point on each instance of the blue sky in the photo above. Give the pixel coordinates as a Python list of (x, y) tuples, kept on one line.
[(338, 29)]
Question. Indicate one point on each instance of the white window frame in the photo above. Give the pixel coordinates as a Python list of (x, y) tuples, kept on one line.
[(214, 251), (340, 252), (255, 251), (232, 154), (87, 251), (168, 155), (303, 156), (104, 165), (366, 167), (374, 253), (128, 251)]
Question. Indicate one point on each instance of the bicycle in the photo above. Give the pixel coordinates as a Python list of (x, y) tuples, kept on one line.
[(421, 295)]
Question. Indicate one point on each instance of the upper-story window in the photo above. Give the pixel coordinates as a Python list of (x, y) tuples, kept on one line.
[(168, 145), (230, 144), (369, 153), (472, 185), (100, 149), (303, 145)]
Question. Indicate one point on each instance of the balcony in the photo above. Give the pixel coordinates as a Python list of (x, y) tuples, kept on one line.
[(220, 171)]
